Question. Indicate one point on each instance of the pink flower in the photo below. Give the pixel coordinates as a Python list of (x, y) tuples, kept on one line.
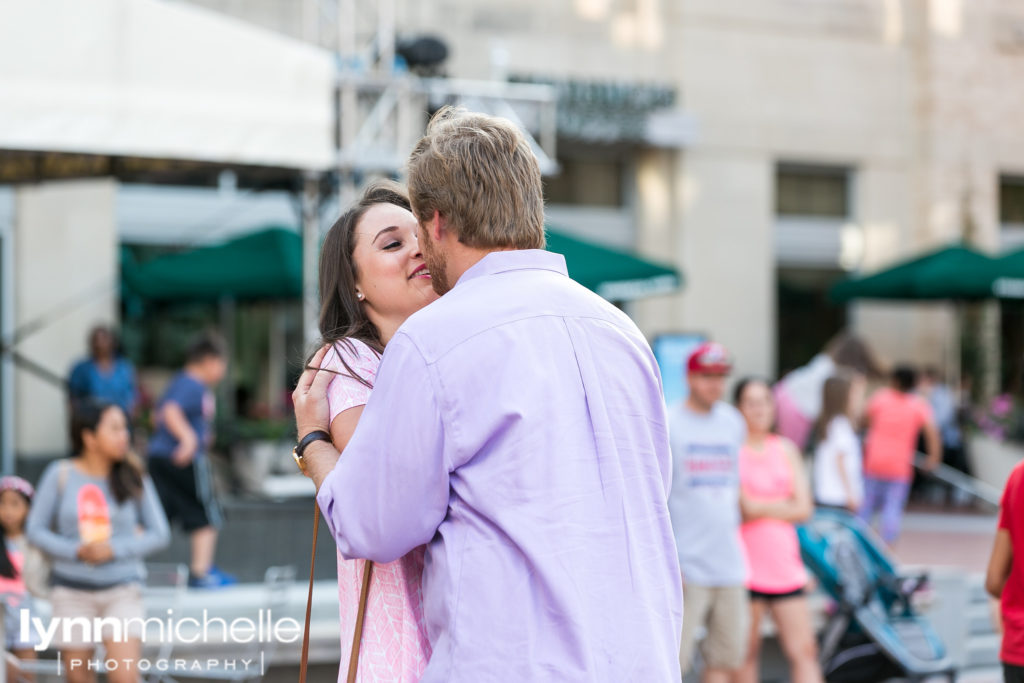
[(1002, 405)]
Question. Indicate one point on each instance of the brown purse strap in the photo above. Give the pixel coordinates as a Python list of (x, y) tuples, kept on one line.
[(357, 637), (364, 592), (309, 598)]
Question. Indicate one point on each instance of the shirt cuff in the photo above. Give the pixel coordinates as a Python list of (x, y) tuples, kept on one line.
[(325, 499)]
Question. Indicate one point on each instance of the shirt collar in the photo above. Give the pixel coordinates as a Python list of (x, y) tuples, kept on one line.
[(516, 259)]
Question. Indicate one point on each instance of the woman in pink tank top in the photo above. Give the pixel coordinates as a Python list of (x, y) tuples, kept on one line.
[(373, 277), (774, 495)]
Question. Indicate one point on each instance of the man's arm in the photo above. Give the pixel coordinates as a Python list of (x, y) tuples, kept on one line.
[(388, 492), (177, 424), (999, 564)]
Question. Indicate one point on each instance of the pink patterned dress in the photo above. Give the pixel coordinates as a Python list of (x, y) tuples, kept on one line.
[(394, 645)]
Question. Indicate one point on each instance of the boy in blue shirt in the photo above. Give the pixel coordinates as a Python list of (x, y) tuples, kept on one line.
[(177, 456)]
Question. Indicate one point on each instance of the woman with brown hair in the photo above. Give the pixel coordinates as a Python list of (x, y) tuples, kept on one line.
[(798, 394), (97, 516), (838, 477), (373, 277), (774, 496)]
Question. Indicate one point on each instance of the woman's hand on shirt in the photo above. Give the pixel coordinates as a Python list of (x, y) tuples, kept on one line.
[(97, 552), (312, 411)]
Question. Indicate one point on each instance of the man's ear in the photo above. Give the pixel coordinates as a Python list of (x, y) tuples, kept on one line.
[(438, 226)]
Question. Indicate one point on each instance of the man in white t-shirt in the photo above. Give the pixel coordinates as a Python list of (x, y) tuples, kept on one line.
[(706, 435)]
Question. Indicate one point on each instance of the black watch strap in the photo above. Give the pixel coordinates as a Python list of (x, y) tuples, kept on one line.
[(315, 435)]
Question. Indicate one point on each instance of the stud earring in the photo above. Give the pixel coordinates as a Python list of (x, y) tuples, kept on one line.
[(359, 295)]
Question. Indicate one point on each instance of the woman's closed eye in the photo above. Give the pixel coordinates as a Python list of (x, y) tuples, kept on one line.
[(392, 245)]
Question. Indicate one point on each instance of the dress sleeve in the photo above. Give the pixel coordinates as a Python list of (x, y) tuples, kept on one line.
[(389, 491), (346, 391)]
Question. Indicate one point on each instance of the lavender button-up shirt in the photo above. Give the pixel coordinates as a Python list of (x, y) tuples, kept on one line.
[(517, 428)]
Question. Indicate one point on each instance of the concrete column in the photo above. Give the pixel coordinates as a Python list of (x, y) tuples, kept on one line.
[(658, 235), (310, 257), (728, 256), (66, 281), (6, 329)]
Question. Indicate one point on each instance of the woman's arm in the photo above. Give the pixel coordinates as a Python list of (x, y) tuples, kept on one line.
[(156, 533), (45, 505), (851, 499), (999, 564), (344, 425), (796, 508), (933, 443), (320, 461)]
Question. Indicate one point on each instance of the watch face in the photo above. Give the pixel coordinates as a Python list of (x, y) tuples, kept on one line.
[(298, 461)]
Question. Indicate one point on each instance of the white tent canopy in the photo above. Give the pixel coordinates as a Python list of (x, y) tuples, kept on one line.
[(153, 79)]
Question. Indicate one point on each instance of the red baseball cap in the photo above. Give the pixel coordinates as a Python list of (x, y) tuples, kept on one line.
[(711, 358)]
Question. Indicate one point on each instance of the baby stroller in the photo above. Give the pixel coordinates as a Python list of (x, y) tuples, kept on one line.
[(874, 633)]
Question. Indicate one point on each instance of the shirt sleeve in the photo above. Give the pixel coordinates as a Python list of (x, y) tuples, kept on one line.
[(132, 390), (43, 514), (78, 381), (389, 491), (156, 533), (174, 394), (346, 391)]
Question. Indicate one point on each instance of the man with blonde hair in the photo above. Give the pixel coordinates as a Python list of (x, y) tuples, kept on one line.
[(517, 428)]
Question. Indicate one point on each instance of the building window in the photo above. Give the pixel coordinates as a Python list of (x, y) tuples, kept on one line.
[(1011, 200), (812, 191), (588, 182), (806, 317)]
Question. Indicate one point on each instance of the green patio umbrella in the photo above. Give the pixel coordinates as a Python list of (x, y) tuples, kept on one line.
[(1008, 282), (268, 265), (614, 274), (262, 265), (951, 273)]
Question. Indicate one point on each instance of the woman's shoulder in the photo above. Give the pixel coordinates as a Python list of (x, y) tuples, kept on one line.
[(840, 425), (786, 445), (59, 468), (355, 366), (350, 350)]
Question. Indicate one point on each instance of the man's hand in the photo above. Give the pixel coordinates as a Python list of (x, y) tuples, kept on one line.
[(173, 417), (185, 452), (97, 552), (310, 397)]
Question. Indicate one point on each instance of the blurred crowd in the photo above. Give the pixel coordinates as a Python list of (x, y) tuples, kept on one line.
[(837, 433), (78, 539)]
